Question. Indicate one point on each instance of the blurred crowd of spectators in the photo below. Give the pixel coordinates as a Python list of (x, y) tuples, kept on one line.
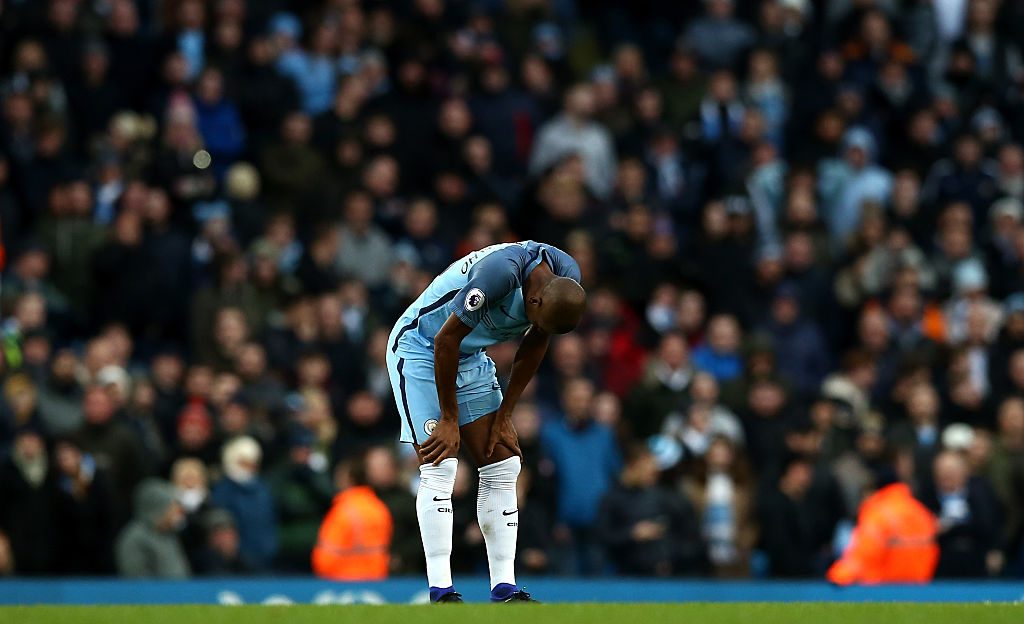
[(799, 222)]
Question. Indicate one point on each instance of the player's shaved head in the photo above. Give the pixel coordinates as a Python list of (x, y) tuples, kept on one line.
[(562, 302)]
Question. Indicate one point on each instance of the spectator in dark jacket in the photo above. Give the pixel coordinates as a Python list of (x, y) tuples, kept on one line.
[(799, 344), (648, 530), (28, 512), (788, 534), (968, 519), (85, 513), (114, 447), (243, 493)]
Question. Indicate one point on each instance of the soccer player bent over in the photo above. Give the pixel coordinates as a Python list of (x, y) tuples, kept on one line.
[(447, 391)]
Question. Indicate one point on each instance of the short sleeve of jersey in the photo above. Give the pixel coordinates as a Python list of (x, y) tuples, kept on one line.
[(563, 265), (490, 280)]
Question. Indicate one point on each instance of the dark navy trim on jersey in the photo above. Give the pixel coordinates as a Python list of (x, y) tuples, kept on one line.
[(405, 399), (423, 311)]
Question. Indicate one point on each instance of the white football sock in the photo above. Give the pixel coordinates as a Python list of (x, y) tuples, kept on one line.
[(497, 512), (434, 511)]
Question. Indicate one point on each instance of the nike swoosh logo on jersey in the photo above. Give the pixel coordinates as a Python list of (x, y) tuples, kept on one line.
[(509, 513), (438, 500)]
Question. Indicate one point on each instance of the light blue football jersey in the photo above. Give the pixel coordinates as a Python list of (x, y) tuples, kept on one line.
[(485, 290)]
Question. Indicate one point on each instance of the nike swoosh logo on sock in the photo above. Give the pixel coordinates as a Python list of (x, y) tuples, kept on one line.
[(438, 500), (509, 513)]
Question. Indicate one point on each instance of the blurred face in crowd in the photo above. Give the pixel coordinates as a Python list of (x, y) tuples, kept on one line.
[(231, 329), (580, 102), (691, 311), (641, 471), (873, 330), (722, 88), (767, 398), (211, 86), (526, 420), (724, 334), (796, 479), (704, 388), (577, 398), (950, 472), (569, 355), (364, 409), (720, 455), (673, 351), (30, 311), (720, 9), (1011, 422), (97, 406), (381, 468), (923, 405), (297, 129)]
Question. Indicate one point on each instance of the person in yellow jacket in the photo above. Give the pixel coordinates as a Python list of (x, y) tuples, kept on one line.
[(894, 541), (354, 543)]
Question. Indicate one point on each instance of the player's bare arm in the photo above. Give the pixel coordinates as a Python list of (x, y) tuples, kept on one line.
[(444, 441), (528, 358)]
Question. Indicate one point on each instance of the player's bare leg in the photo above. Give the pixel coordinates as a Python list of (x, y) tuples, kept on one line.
[(497, 507)]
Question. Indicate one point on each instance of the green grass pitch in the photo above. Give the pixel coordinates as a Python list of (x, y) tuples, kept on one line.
[(696, 613)]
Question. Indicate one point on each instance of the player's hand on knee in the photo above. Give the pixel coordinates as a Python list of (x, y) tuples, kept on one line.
[(503, 432), (442, 443)]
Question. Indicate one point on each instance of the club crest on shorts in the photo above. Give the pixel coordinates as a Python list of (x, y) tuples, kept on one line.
[(429, 426), (474, 300)]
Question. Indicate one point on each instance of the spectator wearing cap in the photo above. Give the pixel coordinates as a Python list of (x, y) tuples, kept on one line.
[(302, 491), (149, 546), (968, 520), (244, 493), (799, 344), (848, 182), (28, 517)]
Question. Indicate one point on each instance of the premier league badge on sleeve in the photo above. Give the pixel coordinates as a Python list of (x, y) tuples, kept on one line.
[(474, 300)]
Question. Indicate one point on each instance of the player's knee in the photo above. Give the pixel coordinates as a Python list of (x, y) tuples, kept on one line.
[(501, 475), (440, 478)]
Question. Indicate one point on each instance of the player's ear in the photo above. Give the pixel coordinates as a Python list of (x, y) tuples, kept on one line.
[(534, 300)]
